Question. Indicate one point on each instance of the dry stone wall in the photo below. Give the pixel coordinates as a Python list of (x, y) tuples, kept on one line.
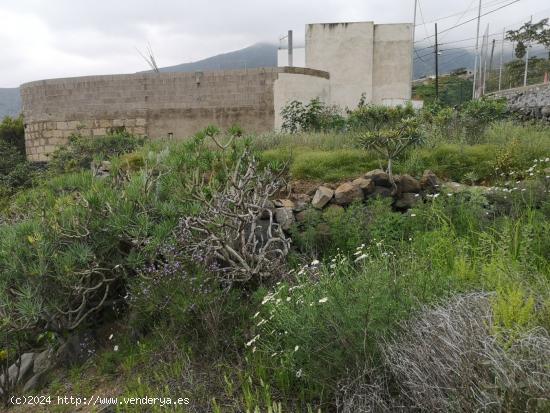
[(529, 102), (160, 105)]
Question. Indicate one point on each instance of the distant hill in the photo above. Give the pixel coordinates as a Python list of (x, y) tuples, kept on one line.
[(10, 102), (257, 55)]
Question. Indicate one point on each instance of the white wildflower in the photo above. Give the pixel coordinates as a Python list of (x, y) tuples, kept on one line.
[(296, 348), (111, 337), (252, 341), (323, 300), (360, 258), (115, 348), (299, 373)]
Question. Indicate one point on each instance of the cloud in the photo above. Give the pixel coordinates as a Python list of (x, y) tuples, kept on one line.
[(57, 38)]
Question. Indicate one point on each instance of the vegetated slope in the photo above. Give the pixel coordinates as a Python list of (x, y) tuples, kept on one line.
[(257, 55), (10, 102)]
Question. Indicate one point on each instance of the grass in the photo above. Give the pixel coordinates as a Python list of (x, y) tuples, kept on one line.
[(333, 157)]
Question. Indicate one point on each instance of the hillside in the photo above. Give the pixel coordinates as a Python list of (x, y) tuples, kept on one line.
[(10, 102), (257, 55)]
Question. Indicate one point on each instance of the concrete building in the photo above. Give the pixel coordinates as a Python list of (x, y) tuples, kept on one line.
[(343, 61)]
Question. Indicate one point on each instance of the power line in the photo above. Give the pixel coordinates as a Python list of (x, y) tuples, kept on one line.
[(471, 20), (469, 8)]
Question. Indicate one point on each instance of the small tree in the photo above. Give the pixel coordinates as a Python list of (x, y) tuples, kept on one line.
[(391, 142), (529, 33)]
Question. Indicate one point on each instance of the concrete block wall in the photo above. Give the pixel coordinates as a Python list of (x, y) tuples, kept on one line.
[(296, 86), (345, 51), (362, 58), (155, 105), (392, 70)]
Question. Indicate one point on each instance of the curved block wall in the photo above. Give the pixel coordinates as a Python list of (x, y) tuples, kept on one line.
[(153, 104)]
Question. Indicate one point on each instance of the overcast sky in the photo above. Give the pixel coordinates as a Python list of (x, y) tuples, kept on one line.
[(59, 38)]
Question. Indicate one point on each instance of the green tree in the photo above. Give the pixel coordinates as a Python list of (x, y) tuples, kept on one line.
[(12, 131)]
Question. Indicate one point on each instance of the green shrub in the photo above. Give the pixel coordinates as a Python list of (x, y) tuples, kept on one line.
[(477, 115), (12, 132), (375, 117), (80, 151), (314, 116)]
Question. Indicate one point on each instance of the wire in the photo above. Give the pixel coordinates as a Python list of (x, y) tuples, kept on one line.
[(468, 21), (462, 13), (422, 17)]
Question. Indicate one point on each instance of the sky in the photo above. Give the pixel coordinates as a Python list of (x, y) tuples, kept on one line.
[(42, 39)]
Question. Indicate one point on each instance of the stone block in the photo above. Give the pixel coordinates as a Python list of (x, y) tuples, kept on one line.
[(346, 193), (322, 197)]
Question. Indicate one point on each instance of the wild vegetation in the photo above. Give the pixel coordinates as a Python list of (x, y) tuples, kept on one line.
[(177, 281)]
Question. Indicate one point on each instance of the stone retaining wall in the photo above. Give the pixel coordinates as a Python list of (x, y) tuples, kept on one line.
[(529, 102)]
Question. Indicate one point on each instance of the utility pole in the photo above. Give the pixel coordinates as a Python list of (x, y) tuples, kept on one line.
[(290, 51), (436, 67), (490, 65), (526, 60), (477, 50), (412, 51), (501, 57)]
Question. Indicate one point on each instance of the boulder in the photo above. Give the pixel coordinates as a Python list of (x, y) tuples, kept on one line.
[(346, 193), (301, 202), (379, 177), (406, 200), (285, 218), (454, 187), (22, 373), (367, 185), (429, 182), (283, 203), (407, 184), (322, 197), (381, 192), (545, 112), (43, 361)]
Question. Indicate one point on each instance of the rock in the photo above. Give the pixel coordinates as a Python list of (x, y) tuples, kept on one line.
[(367, 185), (545, 111), (379, 177), (346, 193), (34, 382), (301, 202), (283, 203), (406, 200), (454, 187), (407, 184), (381, 192), (42, 361), (430, 182), (285, 218), (22, 373), (322, 197)]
